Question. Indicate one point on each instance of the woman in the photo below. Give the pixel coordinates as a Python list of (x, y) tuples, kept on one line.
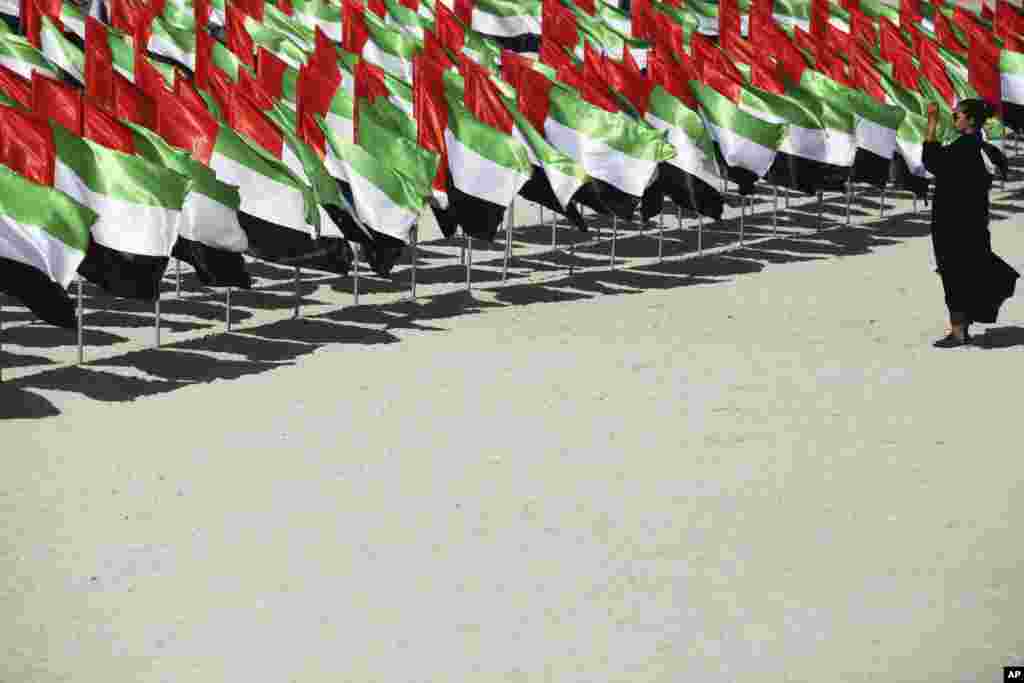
[(976, 281)]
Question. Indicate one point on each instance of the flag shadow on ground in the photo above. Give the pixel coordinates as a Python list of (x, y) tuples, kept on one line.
[(709, 269), (21, 360), (43, 335), (452, 274), (318, 331), (18, 404), (123, 320), (96, 384), (1003, 337), (406, 314), (901, 226), (275, 297), (371, 283), (632, 281)]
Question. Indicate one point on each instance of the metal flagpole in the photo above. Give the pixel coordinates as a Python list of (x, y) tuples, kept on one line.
[(227, 313), (572, 250), (615, 232), (1002, 148), (679, 221), (508, 243), (81, 316), (355, 273), (849, 200), (881, 203), (1, 339), (661, 236), (743, 216), (177, 278), (469, 262), (413, 252), (821, 200), (296, 292), (700, 234), (775, 209), (156, 318), (554, 230)]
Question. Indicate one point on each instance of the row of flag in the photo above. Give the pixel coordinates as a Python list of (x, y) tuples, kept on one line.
[(136, 131)]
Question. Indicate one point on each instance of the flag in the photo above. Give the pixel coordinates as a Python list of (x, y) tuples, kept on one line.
[(138, 203), (322, 14), (747, 144), (690, 177), (276, 209), (487, 167), (21, 57), (1011, 76), (210, 237), (44, 236), (513, 24), (620, 153)]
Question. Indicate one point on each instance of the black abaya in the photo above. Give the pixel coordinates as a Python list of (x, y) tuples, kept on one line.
[(975, 280)]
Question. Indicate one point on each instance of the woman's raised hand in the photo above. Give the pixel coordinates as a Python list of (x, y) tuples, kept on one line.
[(933, 110)]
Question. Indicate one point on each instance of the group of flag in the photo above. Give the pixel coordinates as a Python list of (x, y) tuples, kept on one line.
[(293, 131)]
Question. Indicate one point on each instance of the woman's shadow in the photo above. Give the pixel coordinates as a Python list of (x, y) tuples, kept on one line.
[(1002, 337)]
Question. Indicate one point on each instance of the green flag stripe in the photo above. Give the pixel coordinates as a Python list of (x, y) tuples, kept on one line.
[(49, 209), (722, 112), (618, 131), (122, 176)]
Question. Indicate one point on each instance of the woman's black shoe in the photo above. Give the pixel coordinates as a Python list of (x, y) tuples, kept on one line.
[(951, 341)]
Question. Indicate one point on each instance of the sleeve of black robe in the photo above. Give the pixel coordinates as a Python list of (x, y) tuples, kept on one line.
[(935, 158)]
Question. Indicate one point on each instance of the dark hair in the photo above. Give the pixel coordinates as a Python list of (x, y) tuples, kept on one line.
[(979, 111)]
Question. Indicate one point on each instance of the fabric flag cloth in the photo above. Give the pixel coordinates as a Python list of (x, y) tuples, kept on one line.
[(621, 154), (44, 236), (387, 201), (1011, 77), (18, 55), (555, 179), (746, 143), (139, 206), (803, 162), (210, 237), (875, 125), (514, 25), (487, 169), (321, 14), (277, 210), (690, 178)]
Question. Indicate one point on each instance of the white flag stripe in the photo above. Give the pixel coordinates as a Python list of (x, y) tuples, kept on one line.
[(378, 210), (54, 51), (211, 223), (876, 138), (340, 126), (505, 27), (480, 177), (35, 247), (396, 66), (123, 226), (912, 153), (741, 152), (629, 174), (1012, 88), (689, 157), (263, 197)]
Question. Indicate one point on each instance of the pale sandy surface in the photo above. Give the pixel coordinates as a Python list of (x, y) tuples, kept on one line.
[(750, 467)]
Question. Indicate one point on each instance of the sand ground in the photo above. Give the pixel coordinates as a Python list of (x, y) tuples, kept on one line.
[(749, 466)]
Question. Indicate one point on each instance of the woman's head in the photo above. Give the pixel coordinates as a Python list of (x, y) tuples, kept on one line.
[(970, 115)]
